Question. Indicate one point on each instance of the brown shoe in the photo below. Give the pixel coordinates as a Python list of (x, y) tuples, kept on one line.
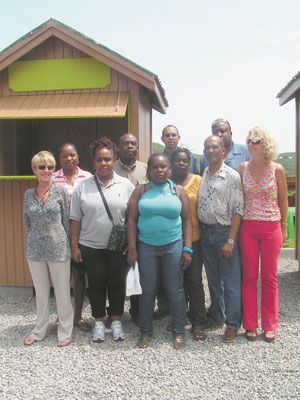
[(199, 333), (230, 334)]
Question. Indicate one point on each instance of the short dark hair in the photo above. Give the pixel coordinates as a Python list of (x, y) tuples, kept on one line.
[(154, 156), (125, 134), (216, 136), (102, 143), (69, 144), (180, 150), (220, 121), (169, 126)]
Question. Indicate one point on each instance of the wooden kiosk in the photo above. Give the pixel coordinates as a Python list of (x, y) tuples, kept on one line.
[(56, 86)]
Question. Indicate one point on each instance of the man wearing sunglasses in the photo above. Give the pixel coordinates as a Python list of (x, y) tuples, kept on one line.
[(235, 153)]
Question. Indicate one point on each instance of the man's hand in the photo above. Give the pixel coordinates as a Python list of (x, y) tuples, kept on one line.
[(227, 250)]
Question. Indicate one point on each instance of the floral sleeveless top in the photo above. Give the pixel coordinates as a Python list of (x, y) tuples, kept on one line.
[(261, 202)]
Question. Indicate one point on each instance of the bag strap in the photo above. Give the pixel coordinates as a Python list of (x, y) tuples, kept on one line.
[(104, 200)]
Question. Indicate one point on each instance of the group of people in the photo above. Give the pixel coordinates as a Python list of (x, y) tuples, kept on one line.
[(232, 220)]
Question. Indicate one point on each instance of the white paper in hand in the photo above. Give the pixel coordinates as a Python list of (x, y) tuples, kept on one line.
[(133, 286)]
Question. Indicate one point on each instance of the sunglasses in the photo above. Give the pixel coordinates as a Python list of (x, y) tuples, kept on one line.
[(255, 142), (43, 167)]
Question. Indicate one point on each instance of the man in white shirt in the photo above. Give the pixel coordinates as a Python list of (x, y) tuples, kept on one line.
[(220, 208)]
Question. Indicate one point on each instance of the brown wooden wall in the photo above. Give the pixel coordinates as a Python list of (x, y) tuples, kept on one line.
[(20, 132), (13, 265), (20, 139), (56, 48)]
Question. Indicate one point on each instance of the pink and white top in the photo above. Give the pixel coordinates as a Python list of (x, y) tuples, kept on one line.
[(260, 196), (60, 179)]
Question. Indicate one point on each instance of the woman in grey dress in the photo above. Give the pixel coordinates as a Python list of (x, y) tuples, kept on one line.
[(46, 220)]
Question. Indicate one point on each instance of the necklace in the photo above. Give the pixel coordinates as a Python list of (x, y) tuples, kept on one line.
[(42, 197)]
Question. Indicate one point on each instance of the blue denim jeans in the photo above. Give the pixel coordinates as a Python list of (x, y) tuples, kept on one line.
[(163, 262), (221, 271)]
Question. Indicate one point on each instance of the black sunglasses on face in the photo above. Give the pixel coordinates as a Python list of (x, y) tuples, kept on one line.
[(43, 167), (255, 142)]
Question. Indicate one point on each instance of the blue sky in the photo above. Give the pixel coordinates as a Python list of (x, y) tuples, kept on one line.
[(215, 58)]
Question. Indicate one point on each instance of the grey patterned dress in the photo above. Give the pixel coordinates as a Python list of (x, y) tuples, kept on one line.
[(47, 226)]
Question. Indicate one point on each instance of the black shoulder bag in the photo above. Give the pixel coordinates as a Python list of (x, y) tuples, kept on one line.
[(118, 236)]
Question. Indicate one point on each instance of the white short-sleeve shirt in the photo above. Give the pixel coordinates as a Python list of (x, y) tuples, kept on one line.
[(88, 208)]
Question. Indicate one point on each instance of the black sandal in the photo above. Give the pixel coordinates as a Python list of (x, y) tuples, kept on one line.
[(251, 335), (83, 325), (144, 342), (179, 342), (269, 336)]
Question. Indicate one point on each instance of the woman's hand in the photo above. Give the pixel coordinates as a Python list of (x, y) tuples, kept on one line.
[(186, 259), (132, 257), (76, 254), (284, 233)]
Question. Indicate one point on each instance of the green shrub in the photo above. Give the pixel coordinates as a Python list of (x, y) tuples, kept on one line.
[(289, 244)]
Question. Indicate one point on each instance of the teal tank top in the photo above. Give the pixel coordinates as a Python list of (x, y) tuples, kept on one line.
[(159, 221)]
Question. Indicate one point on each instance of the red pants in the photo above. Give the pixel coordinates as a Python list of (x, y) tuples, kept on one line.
[(260, 240)]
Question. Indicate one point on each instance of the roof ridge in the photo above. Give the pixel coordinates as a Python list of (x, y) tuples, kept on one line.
[(53, 22)]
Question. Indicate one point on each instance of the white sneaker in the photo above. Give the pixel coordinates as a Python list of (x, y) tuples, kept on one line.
[(117, 331), (99, 332)]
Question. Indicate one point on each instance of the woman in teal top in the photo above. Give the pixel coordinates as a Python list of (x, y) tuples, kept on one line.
[(160, 239), (159, 220)]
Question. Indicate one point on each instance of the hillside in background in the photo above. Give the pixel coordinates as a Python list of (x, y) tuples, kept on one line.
[(288, 160), (157, 148)]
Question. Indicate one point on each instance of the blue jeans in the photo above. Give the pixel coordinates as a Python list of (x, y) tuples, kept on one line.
[(221, 271), (164, 262)]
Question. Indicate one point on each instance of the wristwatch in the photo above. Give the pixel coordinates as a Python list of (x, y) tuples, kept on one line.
[(230, 242)]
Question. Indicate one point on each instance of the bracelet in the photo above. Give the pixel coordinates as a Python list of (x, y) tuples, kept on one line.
[(188, 250)]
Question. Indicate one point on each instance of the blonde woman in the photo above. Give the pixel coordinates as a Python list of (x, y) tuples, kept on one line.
[(46, 220), (262, 232)]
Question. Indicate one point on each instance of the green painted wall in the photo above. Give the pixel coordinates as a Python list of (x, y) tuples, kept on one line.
[(58, 74)]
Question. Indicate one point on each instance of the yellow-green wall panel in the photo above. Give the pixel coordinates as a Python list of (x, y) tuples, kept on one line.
[(58, 74)]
